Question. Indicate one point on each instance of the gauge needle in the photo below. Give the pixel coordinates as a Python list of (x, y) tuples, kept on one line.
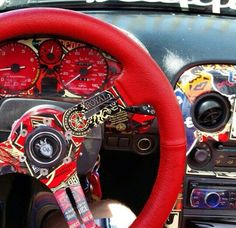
[(51, 50), (77, 76), (9, 68)]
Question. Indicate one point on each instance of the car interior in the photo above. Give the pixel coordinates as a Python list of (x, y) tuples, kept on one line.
[(126, 100)]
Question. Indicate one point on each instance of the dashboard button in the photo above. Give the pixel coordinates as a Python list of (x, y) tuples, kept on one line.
[(124, 142), (112, 141)]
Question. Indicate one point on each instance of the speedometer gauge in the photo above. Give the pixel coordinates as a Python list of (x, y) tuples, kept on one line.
[(83, 71), (19, 67)]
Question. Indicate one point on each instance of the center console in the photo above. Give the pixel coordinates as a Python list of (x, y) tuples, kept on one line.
[(206, 94)]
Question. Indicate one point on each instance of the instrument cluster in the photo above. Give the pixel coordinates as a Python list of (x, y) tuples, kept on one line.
[(54, 67), (57, 68)]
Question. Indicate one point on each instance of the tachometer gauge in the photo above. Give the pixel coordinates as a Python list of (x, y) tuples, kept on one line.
[(83, 71), (19, 67), (50, 51)]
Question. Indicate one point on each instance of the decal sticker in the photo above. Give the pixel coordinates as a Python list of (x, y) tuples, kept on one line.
[(224, 81), (233, 126), (175, 215), (92, 112), (173, 220), (201, 83), (76, 122), (209, 6), (179, 95), (228, 175), (186, 111)]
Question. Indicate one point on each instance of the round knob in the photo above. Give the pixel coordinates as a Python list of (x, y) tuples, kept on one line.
[(212, 199), (201, 155)]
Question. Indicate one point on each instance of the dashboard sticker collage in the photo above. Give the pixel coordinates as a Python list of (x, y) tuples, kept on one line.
[(206, 95)]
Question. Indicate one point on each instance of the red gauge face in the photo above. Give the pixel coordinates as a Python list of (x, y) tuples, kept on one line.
[(19, 67), (50, 51), (83, 71)]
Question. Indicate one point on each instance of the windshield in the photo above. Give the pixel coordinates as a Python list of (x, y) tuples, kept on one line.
[(224, 7)]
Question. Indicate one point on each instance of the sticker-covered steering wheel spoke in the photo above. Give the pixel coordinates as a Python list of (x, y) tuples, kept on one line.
[(9, 161), (46, 141), (92, 112)]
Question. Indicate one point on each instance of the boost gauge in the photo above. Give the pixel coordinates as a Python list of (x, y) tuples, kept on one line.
[(83, 71), (19, 67), (50, 51)]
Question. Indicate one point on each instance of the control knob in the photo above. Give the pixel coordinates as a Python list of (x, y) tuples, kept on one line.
[(201, 155), (212, 199)]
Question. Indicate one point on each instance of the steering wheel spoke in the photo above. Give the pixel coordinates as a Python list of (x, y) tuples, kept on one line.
[(92, 112), (9, 158)]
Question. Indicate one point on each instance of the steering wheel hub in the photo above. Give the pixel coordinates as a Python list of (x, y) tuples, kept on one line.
[(45, 147)]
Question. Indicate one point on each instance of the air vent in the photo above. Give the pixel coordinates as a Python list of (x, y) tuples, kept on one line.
[(210, 112)]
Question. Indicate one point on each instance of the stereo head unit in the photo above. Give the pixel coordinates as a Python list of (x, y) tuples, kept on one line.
[(211, 194)]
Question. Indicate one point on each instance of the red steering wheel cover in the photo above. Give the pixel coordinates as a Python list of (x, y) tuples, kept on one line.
[(142, 81)]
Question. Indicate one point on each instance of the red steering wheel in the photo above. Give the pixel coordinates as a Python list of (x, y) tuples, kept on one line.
[(142, 81)]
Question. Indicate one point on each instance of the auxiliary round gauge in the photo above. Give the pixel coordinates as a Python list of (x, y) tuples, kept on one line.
[(83, 71), (19, 67), (50, 51)]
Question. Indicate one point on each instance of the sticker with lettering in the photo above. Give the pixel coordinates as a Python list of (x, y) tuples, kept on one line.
[(92, 112)]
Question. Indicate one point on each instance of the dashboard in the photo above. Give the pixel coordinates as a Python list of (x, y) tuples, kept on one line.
[(50, 70), (197, 54)]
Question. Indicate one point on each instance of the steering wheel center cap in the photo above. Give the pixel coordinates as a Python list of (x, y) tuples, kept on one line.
[(45, 147)]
